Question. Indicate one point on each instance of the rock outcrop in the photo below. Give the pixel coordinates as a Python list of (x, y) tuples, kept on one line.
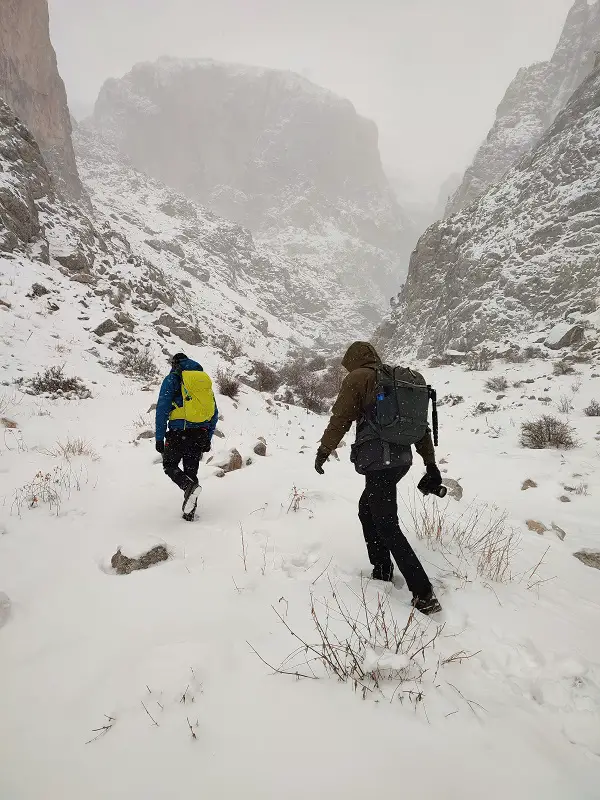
[(271, 151), (521, 258), (532, 102), (31, 85)]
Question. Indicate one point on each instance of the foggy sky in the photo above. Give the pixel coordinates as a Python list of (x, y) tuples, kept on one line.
[(429, 72)]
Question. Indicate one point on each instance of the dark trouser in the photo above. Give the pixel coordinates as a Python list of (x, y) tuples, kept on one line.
[(187, 446), (378, 513)]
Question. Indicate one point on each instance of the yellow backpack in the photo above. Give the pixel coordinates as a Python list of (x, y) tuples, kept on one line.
[(198, 398)]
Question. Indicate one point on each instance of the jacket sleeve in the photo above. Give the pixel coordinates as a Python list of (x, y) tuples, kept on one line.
[(213, 423), (164, 405), (426, 449), (346, 410)]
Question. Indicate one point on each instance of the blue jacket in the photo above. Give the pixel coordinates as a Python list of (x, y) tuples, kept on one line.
[(170, 392)]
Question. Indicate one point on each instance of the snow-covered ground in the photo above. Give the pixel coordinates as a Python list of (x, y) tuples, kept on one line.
[(147, 685)]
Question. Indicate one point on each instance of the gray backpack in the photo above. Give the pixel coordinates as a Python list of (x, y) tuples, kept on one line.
[(398, 419)]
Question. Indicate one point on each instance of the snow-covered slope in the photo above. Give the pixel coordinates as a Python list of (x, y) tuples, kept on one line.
[(228, 271), (269, 150), (129, 294), (519, 260), (533, 100), (146, 686)]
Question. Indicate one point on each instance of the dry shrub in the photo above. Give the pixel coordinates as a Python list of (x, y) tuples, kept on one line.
[(547, 432), (358, 640), (331, 381), (227, 383), (8, 401), (53, 381), (267, 380), (534, 352), (514, 356), (442, 360), (562, 367), (497, 384), (479, 536), (71, 448), (593, 410), (564, 404), (316, 364), (309, 394), (294, 372), (139, 365), (479, 360), (48, 488)]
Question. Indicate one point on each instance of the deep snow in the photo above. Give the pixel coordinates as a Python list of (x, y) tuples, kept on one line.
[(83, 648)]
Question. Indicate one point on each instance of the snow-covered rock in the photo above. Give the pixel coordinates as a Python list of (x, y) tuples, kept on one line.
[(564, 335), (533, 100), (271, 151)]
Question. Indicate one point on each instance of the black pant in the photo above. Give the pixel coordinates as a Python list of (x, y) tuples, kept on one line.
[(187, 445), (378, 513)]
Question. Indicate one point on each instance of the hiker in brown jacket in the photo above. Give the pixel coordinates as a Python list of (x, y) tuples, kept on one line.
[(378, 505)]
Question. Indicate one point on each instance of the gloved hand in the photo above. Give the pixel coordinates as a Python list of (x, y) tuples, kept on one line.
[(434, 475), (160, 446), (322, 456)]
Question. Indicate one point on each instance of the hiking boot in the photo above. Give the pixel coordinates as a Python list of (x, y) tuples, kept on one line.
[(383, 573), (189, 517), (190, 497), (426, 605)]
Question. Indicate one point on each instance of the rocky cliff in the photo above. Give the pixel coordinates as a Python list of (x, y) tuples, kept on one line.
[(32, 87), (532, 102), (291, 161), (523, 256)]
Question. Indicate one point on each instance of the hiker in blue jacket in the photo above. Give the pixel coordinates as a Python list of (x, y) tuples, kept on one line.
[(186, 418)]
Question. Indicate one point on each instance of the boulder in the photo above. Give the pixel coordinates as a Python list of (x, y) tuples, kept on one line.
[(185, 332), (537, 527), (455, 490), (108, 326), (260, 448), (528, 484), (559, 531), (564, 335), (228, 461), (591, 558), (74, 262), (123, 565), (85, 278), (125, 321)]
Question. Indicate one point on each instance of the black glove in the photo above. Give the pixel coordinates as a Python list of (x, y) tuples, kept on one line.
[(434, 475), (160, 446), (322, 456)]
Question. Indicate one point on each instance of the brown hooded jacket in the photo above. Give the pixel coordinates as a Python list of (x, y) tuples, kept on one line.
[(356, 395)]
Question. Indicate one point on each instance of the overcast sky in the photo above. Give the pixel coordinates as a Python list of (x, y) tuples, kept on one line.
[(429, 72)]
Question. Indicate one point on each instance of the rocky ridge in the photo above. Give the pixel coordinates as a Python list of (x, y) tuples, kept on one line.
[(522, 258), (533, 100), (31, 85)]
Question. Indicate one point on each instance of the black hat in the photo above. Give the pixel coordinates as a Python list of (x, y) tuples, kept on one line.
[(177, 359)]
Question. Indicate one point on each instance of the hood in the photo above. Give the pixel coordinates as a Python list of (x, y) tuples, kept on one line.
[(189, 365), (360, 354)]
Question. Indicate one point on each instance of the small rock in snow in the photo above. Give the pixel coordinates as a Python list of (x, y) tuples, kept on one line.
[(528, 484), (537, 527), (591, 558)]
